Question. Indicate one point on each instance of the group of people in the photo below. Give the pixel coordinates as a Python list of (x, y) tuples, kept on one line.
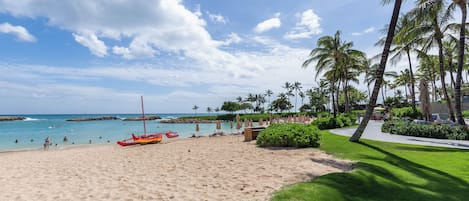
[(48, 143)]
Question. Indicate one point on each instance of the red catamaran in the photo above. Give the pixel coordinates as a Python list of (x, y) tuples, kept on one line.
[(146, 139)]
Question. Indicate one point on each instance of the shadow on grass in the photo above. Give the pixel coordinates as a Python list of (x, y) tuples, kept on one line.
[(431, 149), (382, 178), (433, 185)]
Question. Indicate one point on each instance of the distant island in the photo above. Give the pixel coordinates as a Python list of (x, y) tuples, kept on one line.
[(94, 118), (11, 118), (141, 119), (187, 121)]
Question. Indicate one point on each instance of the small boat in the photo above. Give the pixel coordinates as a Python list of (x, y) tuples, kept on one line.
[(126, 142), (148, 139), (144, 139), (171, 134)]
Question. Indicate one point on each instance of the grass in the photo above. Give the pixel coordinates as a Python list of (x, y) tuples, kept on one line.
[(387, 171)]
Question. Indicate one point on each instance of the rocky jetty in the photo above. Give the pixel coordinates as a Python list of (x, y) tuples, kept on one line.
[(186, 121), (94, 118), (11, 118), (147, 118)]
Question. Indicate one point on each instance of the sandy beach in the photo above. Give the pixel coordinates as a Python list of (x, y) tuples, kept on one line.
[(216, 168)]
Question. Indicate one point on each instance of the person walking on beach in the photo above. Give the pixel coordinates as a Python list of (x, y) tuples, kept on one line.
[(46, 143)]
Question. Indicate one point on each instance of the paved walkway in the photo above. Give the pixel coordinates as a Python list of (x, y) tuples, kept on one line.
[(373, 132)]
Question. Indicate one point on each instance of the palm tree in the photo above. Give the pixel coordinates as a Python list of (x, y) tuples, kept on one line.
[(251, 98), (302, 96), (289, 87), (457, 88), (269, 93), (431, 22), (382, 67), (354, 62), (371, 76), (428, 71), (297, 87), (209, 110), (336, 58), (239, 99), (217, 110), (449, 47), (404, 43), (195, 107)]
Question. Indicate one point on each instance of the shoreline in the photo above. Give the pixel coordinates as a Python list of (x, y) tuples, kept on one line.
[(208, 168)]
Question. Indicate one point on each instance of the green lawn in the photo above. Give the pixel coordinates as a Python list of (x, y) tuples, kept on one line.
[(387, 171)]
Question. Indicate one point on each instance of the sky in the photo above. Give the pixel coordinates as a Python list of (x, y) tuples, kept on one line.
[(100, 56)]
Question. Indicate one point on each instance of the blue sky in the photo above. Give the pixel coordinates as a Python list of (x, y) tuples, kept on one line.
[(97, 56)]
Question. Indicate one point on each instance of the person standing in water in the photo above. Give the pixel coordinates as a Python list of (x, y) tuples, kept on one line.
[(46, 143)]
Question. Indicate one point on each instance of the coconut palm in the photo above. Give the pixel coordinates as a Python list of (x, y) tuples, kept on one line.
[(209, 110), (428, 70), (382, 67), (302, 96), (195, 108), (296, 87), (431, 23), (371, 75), (337, 60), (289, 88), (404, 44), (269, 93), (457, 88)]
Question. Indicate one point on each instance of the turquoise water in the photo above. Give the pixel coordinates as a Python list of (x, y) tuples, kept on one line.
[(31, 132)]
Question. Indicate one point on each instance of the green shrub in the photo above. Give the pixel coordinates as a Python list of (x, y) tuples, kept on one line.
[(430, 131), (340, 121), (289, 135), (406, 112), (465, 113)]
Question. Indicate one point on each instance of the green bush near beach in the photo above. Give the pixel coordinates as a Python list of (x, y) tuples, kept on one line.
[(430, 131), (386, 171), (342, 120), (465, 113), (289, 135), (406, 112)]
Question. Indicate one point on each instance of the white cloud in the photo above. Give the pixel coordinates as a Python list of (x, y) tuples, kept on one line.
[(308, 26), (165, 26), (366, 31), (91, 41), (217, 18), (268, 24), (232, 38), (257, 72), (197, 11), (20, 32)]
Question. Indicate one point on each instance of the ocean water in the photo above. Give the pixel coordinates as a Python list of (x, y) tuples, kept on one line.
[(32, 132)]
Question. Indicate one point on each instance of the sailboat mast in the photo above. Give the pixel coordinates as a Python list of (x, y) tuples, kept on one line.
[(143, 118)]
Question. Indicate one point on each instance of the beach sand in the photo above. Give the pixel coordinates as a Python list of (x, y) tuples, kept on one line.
[(216, 168)]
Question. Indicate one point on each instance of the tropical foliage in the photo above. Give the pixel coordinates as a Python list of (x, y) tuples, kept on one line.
[(289, 135)]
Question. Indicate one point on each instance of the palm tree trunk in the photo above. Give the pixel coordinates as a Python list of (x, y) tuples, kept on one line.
[(412, 81), (337, 96), (443, 84), (406, 94), (451, 72), (382, 93), (457, 87), (333, 100), (347, 108), (296, 96), (382, 66)]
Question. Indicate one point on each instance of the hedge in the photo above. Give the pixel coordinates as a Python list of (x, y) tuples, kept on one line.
[(340, 121), (406, 112), (430, 131), (289, 135)]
